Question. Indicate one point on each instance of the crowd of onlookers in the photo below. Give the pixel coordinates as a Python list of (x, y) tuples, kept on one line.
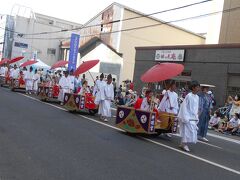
[(225, 120)]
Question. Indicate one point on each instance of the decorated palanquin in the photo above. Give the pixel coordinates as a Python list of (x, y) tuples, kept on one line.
[(76, 102), (18, 83), (145, 122), (5, 80), (48, 92)]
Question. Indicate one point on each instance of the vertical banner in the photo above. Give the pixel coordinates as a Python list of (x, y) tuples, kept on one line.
[(73, 54)]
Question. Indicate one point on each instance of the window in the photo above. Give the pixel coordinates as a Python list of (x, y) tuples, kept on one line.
[(51, 51)]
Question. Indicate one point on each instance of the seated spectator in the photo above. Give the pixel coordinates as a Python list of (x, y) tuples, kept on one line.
[(232, 125), (214, 121)]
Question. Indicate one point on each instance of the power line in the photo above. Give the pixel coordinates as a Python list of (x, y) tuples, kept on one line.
[(116, 21), (142, 27)]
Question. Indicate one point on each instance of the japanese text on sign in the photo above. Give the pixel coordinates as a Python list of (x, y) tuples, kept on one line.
[(169, 55)]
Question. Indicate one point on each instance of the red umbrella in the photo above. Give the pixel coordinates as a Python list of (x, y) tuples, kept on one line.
[(85, 66), (16, 59), (162, 71), (4, 61), (28, 63), (59, 64)]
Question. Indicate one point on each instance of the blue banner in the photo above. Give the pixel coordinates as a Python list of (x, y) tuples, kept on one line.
[(73, 54)]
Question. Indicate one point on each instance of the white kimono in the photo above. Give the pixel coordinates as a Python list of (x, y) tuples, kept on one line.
[(3, 71), (72, 79), (105, 105), (145, 105), (65, 85), (36, 80), (100, 96), (14, 74), (188, 118), (28, 78), (169, 103)]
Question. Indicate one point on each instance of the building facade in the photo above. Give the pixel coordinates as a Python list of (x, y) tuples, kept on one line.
[(20, 37), (209, 64), (118, 27)]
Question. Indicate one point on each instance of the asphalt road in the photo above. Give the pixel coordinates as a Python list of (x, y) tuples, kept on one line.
[(42, 141)]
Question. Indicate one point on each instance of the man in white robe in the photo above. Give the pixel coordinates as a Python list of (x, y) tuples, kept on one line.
[(4, 70), (169, 103), (64, 85), (105, 104), (28, 78), (14, 74), (188, 117), (72, 79), (36, 80), (99, 91)]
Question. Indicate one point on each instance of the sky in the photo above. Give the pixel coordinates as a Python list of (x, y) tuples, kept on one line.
[(80, 11)]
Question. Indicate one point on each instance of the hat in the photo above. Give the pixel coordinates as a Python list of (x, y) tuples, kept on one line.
[(207, 85), (109, 76)]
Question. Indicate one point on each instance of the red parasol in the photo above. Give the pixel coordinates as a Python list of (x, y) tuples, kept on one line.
[(16, 59), (85, 66), (4, 61), (28, 63), (161, 72), (59, 64)]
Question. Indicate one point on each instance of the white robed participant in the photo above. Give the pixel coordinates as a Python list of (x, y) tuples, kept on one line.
[(14, 72), (169, 103), (36, 80), (64, 85), (72, 79), (99, 91), (28, 78), (3, 70), (108, 99), (188, 117)]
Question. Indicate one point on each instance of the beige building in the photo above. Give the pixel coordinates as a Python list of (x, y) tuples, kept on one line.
[(118, 27), (223, 27), (230, 26)]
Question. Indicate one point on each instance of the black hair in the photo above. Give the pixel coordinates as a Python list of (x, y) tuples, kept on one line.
[(109, 76), (172, 82), (238, 115), (193, 84), (114, 79)]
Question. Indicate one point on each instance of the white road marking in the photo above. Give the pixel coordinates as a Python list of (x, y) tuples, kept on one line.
[(102, 123), (193, 156), (151, 141), (208, 144), (224, 138)]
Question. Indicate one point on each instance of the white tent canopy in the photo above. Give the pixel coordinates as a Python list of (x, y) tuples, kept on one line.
[(41, 65)]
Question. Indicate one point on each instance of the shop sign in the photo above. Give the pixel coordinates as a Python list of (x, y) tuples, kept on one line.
[(169, 55)]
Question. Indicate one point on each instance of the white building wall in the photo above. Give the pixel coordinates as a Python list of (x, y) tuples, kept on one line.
[(105, 55), (40, 43)]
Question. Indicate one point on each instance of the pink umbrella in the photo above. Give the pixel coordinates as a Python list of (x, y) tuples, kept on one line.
[(28, 63), (16, 59), (61, 63), (162, 71), (85, 66)]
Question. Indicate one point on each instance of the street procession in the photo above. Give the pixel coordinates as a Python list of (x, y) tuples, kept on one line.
[(120, 97), (148, 113)]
